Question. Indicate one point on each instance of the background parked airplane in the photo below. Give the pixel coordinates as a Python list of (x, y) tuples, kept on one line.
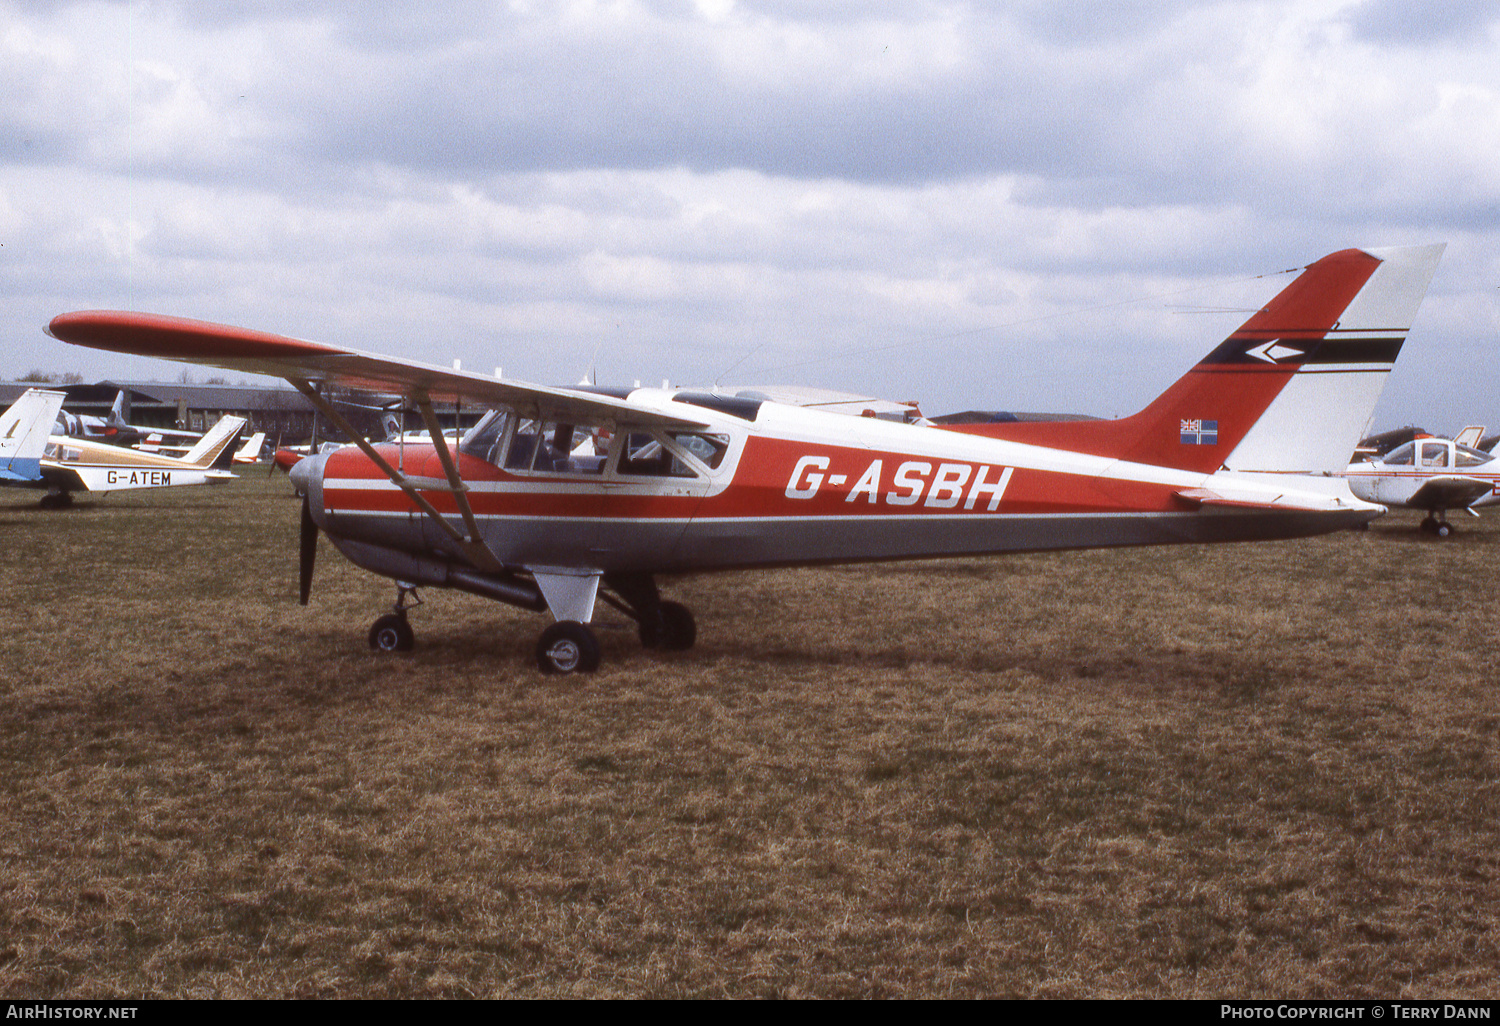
[(112, 428), (1435, 474), (24, 430), (247, 453), (697, 482), (79, 464)]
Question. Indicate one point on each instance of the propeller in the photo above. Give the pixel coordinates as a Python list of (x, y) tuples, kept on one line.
[(309, 552)]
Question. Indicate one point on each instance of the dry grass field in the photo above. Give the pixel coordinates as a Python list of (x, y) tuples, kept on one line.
[(1259, 770)]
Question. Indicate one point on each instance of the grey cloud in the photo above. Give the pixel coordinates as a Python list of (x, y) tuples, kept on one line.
[(1402, 22)]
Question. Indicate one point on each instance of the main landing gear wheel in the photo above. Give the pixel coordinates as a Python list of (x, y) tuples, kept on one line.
[(674, 631), (1436, 527), (567, 647), (392, 633)]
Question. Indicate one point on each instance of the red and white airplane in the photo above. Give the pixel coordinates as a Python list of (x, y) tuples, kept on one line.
[(563, 497)]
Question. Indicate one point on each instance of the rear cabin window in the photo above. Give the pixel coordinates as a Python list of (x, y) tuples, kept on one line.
[(645, 455), (709, 449), (1467, 457)]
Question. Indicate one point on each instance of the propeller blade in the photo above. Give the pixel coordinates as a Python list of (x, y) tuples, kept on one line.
[(309, 552)]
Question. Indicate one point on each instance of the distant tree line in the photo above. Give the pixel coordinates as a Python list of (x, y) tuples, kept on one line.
[(41, 377)]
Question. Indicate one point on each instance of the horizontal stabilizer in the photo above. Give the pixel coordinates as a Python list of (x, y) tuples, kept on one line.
[(1254, 499)]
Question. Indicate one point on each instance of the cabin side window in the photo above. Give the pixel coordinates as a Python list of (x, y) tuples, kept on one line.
[(709, 449), (557, 447), (1434, 454), (1466, 457)]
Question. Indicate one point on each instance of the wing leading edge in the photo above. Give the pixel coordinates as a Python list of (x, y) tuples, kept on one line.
[(259, 352)]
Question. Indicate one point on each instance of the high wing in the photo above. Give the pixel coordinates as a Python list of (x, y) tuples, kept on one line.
[(828, 400), (302, 362), (1449, 492)]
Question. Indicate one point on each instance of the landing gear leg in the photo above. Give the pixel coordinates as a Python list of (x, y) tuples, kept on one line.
[(1437, 524), (392, 632), (569, 645)]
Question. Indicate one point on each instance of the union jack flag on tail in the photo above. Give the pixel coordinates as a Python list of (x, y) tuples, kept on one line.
[(1200, 432)]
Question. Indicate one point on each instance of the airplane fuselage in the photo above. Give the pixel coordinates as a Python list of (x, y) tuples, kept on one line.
[(795, 486)]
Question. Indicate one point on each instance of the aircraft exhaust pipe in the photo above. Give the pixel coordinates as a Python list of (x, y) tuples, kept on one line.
[(510, 590), (432, 573)]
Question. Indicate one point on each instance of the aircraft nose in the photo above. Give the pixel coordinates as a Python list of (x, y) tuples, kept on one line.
[(307, 478), (301, 474)]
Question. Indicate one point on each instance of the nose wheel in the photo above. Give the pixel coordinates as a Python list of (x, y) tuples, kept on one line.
[(392, 632)]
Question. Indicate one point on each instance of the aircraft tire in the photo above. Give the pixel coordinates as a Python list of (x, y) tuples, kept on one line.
[(391, 633), (673, 630), (678, 628), (1442, 529), (567, 647)]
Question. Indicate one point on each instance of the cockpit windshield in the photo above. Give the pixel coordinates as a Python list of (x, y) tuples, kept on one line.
[(485, 438)]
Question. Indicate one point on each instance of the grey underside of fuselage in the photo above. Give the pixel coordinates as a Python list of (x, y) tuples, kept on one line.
[(659, 546)]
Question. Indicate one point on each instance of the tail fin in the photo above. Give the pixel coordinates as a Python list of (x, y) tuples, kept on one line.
[(1470, 436), (1292, 390), (212, 444), (119, 412), (24, 429), (250, 451)]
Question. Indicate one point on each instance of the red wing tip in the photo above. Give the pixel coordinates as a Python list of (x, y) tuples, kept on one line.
[(147, 334)]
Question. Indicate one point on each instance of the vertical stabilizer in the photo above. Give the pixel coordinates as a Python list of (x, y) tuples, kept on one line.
[(1290, 390), (1316, 421), (212, 444), (24, 430)]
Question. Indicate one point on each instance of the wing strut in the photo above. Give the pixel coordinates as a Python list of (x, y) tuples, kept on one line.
[(473, 545)]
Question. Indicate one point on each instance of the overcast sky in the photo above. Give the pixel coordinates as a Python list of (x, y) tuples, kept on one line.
[(1016, 205)]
